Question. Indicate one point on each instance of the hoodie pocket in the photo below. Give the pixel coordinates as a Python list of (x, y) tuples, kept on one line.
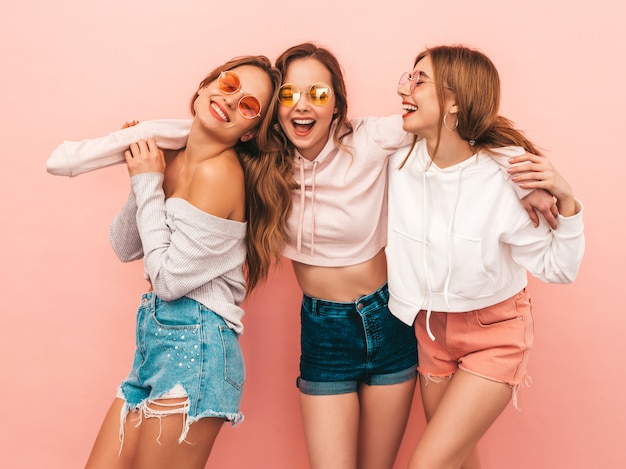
[(443, 258)]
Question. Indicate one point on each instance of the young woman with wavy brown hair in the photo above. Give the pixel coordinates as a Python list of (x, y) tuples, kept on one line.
[(207, 219)]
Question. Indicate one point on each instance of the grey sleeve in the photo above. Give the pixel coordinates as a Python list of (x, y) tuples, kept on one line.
[(123, 233)]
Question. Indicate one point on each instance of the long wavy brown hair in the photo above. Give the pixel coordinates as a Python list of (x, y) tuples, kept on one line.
[(268, 178), (328, 59), (474, 80)]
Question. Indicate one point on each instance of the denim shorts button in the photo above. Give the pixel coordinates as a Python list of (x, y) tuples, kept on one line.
[(359, 306)]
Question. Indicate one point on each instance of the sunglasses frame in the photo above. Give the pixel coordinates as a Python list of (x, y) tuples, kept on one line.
[(413, 81), (297, 95), (220, 86)]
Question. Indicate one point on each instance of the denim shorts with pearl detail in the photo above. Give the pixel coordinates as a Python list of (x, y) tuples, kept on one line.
[(183, 349)]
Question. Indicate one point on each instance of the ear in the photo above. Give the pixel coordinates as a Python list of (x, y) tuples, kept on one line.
[(249, 135), (454, 109)]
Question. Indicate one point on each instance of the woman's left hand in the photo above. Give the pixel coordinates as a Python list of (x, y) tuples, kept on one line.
[(537, 172), (144, 157)]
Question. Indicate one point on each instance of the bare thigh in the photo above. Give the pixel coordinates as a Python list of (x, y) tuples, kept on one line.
[(384, 415), (152, 442), (459, 412), (108, 451), (331, 426)]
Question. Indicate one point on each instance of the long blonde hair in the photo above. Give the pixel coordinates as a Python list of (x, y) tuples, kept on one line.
[(268, 178), (474, 80)]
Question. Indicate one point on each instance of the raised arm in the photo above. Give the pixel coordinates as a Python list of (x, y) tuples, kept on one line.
[(72, 158)]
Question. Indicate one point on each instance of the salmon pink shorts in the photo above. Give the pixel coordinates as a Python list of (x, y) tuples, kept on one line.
[(492, 342)]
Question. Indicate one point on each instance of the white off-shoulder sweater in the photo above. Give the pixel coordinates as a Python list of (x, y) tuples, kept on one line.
[(186, 252)]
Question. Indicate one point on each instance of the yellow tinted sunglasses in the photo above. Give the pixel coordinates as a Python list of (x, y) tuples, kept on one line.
[(318, 93)]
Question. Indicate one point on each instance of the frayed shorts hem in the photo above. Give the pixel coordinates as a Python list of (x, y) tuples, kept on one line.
[(315, 388), (235, 418), (515, 386), (144, 410)]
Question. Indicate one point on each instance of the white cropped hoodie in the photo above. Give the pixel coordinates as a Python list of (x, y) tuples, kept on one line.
[(339, 214), (459, 239)]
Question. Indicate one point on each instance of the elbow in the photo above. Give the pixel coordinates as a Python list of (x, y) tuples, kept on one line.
[(564, 277), (166, 295), (125, 255), (126, 259), (571, 277), (57, 163), (165, 291)]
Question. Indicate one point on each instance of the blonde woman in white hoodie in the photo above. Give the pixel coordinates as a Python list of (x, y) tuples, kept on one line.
[(460, 246)]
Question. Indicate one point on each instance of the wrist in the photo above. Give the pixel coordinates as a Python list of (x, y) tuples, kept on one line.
[(567, 207)]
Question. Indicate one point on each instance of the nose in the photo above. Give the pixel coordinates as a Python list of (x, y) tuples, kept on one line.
[(231, 100), (303, 102), (404, 90)]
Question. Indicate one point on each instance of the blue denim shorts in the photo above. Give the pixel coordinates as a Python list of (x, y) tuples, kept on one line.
[(185, 350), (346, 344)]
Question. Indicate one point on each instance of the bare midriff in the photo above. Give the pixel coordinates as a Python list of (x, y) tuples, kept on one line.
[(345, 283)]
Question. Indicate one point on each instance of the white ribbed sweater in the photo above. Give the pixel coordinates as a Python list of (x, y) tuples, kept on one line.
[(186, 252)]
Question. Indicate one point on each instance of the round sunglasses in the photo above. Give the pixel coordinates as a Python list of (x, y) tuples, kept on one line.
[(229, 83), (318, 93), (415, 80)]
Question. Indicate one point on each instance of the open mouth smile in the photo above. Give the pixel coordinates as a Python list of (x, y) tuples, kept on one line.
[(217, 110)]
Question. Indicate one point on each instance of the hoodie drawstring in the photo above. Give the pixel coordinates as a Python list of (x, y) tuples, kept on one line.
[(302, 206), (450, 227), (449, 243), (425, 254)]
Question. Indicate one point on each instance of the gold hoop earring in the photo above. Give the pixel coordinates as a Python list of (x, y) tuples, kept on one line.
[(445, 124)]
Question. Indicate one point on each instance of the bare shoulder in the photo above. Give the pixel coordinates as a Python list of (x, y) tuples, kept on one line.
[(218, 186)]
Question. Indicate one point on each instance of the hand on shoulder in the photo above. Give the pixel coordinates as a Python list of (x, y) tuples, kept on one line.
[(144, 156)]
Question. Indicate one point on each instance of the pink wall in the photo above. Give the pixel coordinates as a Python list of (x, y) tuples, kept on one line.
[(72, 70)]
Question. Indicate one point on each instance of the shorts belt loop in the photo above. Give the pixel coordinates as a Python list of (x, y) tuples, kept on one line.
[(148, 299), (383, 293)]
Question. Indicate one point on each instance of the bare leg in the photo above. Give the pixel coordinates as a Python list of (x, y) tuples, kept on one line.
[(159, 448), (154, 443), (430, 402), (384, 415), (106, 449), (459, 412), (331, 425)]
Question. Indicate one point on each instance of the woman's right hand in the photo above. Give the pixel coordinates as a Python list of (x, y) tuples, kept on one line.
[(144, 156)]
